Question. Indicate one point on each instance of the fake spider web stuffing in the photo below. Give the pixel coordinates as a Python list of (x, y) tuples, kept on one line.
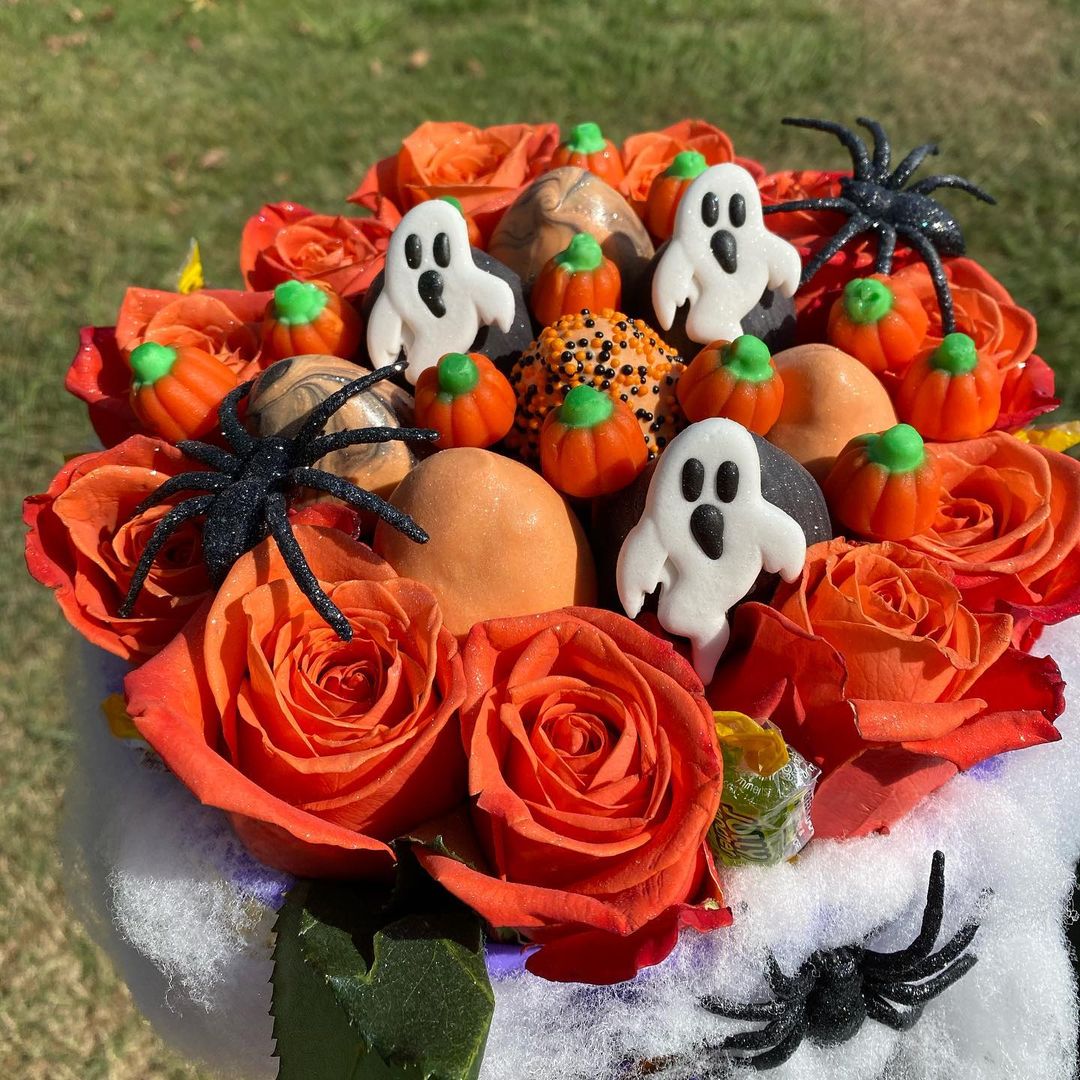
[(187, 916)]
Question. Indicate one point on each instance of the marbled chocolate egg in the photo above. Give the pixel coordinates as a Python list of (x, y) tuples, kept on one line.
[(503, 541), (829, 398), (556, 206), (286, 392)]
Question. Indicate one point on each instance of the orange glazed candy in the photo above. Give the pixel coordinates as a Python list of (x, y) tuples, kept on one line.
[(578, 278), (879, 321), (666, 192), (884, 487), (736, 380), (307, 318), (588, 149), (951, 393), (176, 391), (466, 399)]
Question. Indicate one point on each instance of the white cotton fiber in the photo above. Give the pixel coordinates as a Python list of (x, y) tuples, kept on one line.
[(194, 941)]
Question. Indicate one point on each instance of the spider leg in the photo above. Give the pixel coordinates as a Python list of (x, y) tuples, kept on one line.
[(783, 1050), (919, 993), (885, 248), (902, 172), (213, 456), (238, 437), (852, 228), (322, 412), (882, 149), (837, 203), (932, 183), (172, 521), (860, 158), (355, 496), (885, 1013), (277, 517), (338, 440), (189, 481), (735, 1010), (764, 1037), (937, 274), (928, 932), (921, 967)]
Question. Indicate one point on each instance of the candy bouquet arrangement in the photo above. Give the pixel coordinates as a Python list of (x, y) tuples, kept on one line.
[(570, 619)]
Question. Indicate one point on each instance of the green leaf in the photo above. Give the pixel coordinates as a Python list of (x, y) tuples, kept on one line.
[(365, 989)]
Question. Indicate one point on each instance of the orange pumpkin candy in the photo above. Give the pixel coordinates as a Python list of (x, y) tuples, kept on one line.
[(579, 278), (734, 379), (307, 318), (884, 487), (466, 399), (879, 321), (588, 149), (591, 445), (176, 392), (667, 190), (951, 393)]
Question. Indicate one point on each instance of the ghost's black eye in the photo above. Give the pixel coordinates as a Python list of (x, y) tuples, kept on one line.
[(414, 251), (693, 479), (727, 481), (441, 249), (737, 210), (710, 209)]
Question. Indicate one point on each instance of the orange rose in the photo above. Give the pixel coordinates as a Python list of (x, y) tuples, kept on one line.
[(217, 320), (284, 241), (595, 775), (875, 669), (801, 227), (322, 751), (484, 168), (650, 153), (83, 544), (1008, 525)]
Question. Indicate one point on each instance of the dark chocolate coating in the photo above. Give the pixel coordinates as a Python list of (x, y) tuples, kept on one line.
[(501, 348)]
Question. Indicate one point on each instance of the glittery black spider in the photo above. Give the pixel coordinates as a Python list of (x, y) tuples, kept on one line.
[(836, 990), (247, 491), (876, 200)]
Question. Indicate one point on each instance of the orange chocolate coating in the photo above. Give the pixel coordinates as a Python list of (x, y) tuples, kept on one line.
[(621, 356), (829, 398), (503, 540)]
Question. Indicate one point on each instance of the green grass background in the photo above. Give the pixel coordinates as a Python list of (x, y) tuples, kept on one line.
[(128, 126)]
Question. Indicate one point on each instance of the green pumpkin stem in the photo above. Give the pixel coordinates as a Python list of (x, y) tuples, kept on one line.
[(458, 374), (956, 354), (150, 362), (687, 165), (581, 255), (899, 450), (297, 303), (586, 138), (454, 201), (748, 359), (585, 407), (867, 300)]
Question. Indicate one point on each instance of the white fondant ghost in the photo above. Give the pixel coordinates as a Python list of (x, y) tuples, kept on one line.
[(704, 536), (721, 258), (434, 298)]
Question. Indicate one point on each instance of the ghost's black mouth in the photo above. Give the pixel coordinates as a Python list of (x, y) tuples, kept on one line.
[(707, 529), (430, 287), (724, 250)]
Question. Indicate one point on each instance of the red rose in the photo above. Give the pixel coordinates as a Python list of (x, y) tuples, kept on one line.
[(284, 241), (485, 169), (322, 751), (874, 668), (595, 775), (1008, 526), (649, 153), (217, 320), (84, 545)]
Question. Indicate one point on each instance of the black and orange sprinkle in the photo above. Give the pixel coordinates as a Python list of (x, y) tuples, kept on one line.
[(621, 356)]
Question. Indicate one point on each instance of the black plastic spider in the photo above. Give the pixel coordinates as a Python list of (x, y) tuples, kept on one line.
[(836, 990), (247, 494), (876, 200)]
